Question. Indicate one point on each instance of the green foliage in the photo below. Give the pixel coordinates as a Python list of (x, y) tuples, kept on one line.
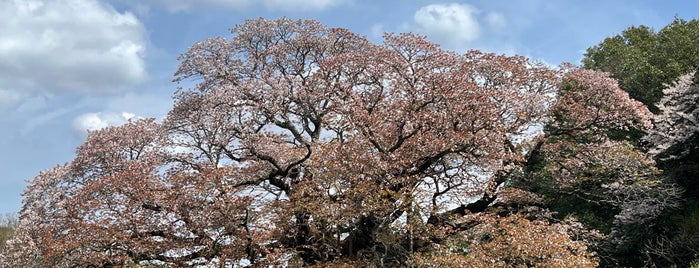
[(611, 192), (677, 241), (687, 218), (5, 234), (642, 60), (595, 216), (632, 136), (685, 176), (565, 203), (8, 223)]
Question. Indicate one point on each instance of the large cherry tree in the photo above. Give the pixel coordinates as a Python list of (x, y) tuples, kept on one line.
[(301, 144)]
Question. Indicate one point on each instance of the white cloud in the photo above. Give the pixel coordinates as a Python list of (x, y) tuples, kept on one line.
[(283, 5), (69, 45), (496, 20), (96, 121), (448, 24)]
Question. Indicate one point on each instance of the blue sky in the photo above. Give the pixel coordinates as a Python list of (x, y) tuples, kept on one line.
[(71, 65)]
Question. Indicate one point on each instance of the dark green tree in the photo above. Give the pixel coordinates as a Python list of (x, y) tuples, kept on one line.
[(643, 60)]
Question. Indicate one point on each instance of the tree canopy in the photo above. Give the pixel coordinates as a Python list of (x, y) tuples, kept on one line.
[(307, 145), (643, 60)]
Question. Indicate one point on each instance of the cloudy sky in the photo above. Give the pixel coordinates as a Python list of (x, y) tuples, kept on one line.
[(67, 66)]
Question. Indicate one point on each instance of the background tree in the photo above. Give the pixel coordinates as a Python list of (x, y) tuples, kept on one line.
[(674, 143), (585, 171), (8, 224), (307, 145), (678, 120), (643, 60), (659, 68)]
